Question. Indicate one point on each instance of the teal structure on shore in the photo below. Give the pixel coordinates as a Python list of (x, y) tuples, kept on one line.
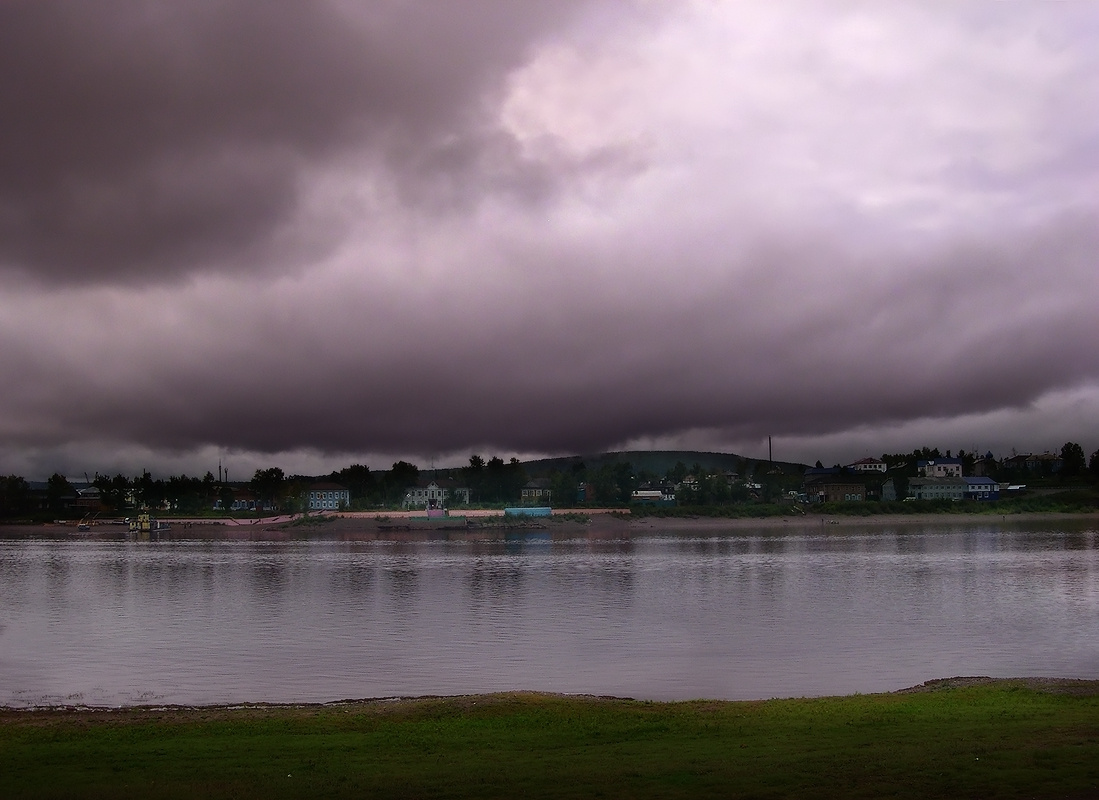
[(529, 511)]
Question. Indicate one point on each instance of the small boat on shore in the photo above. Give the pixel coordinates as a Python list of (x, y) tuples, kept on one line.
[(143, 523)]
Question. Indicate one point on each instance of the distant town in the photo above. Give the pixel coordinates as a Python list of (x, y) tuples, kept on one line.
[(644, 482)]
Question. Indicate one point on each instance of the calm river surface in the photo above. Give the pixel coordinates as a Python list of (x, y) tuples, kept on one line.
[(735, 616)]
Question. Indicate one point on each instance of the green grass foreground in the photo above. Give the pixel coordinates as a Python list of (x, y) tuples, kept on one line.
[(1006, 739)]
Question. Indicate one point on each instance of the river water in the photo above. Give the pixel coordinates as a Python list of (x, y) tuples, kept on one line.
[(737, 615)]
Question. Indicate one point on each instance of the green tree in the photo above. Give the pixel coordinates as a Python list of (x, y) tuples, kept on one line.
[(359, 481), (113, 492), (122, 489), (225, 497), (625, 482), (208, 490), (296, 493), (149, 493), (926, 454), (1072, 460), (183, 494), (59, 492), (685, 495), (515, 477), (268, 485), (1093, 463), (473, 476), (603, 484), (563, 488), (494, 477), (718, 489), (15, 495), (397, 481), (900, 486), (612, 483)]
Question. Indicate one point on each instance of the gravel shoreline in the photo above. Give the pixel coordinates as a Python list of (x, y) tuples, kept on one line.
[(1074, 687)]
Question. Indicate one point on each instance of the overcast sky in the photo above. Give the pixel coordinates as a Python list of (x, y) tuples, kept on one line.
[(311, 234)]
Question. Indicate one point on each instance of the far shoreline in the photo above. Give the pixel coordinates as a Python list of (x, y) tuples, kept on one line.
[(857, 521), (564, 522)]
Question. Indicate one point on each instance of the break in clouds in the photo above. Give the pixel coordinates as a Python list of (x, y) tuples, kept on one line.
[(338, 231)]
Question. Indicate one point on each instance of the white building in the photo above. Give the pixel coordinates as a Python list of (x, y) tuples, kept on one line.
[(868, 465), (940, 468), (435, 493)]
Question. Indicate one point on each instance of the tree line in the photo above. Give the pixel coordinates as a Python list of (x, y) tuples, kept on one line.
[(1073, 463), (184, 494), (490, 482)]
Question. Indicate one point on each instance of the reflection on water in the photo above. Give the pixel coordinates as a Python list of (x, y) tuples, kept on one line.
[(741, 615)]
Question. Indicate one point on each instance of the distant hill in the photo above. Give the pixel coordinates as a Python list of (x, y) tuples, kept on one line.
[(659, 462)]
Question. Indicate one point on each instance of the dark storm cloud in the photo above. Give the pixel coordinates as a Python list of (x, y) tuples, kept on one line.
[(144, 140), (766, 350), (420, 229)]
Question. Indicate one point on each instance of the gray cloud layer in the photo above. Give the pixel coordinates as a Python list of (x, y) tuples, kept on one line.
[(424, 229), (146, 139)]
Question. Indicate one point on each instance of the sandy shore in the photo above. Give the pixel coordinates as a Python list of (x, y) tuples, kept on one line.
[(832, 521), (607, 523)]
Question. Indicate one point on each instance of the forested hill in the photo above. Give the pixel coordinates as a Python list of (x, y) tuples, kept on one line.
[(659, 462)]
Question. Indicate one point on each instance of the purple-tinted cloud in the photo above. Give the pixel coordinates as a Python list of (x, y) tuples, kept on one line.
[(332, 231), (144, 140)]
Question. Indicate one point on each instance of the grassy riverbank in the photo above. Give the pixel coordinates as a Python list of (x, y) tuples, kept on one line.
[(1005, 739)]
